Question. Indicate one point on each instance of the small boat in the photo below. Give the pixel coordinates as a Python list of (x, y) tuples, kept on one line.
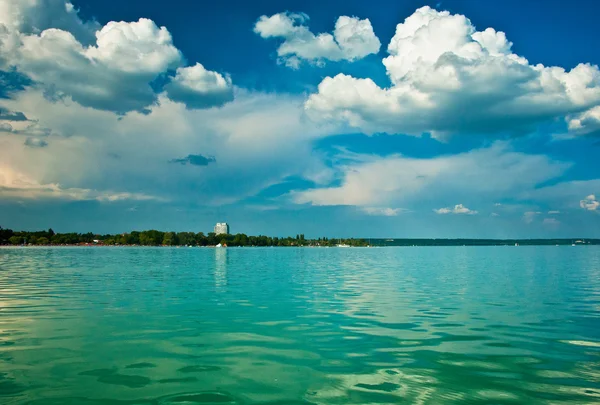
[(343, 245)]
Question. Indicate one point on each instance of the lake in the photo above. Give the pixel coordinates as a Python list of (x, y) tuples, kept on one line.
[(415, 325)]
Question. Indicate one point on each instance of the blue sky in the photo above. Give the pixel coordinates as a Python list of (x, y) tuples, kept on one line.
[(381, 119)]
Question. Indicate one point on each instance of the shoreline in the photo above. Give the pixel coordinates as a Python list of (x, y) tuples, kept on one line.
[(297, 247)]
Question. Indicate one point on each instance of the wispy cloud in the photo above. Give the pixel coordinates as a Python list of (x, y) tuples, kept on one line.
[(458, 209), (19, 186), (383, 211), (530, 216)]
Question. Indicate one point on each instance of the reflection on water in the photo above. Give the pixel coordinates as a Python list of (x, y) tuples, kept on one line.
[(220, 267), (300, 326)]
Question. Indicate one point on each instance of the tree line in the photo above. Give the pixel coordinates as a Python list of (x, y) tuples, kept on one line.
[(159, 238)]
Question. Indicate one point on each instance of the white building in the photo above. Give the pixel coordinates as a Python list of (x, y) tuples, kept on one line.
[(221, 228)]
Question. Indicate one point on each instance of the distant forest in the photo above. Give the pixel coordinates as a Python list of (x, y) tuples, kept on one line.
[(159, 238)]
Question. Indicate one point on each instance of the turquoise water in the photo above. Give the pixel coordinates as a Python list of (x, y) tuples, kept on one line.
[(300, 326)]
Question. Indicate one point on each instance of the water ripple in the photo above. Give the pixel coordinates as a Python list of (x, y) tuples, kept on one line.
[(299, 326)]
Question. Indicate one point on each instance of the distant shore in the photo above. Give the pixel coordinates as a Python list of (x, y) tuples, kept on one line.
[(199, 239), (160, 238), (375, 243)]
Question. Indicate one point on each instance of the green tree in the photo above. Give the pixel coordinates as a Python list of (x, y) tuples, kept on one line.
[(200, 239), (169, 239), (211, 238), (240, 240), (133, 238), (15, 240), (151, 238), (185, 238), (5, 234)]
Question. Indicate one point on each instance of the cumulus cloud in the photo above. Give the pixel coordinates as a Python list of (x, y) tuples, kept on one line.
[(587, 122), (589, 203), (114, 71), (263, 139), (260, 140), (447, 77), (114, 75), (383, 211), (352, 39), (197, 87), (396, 180), (195, 160), (35, 16), (458, 209)]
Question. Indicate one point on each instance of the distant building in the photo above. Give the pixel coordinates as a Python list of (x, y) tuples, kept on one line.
[(222, 228)]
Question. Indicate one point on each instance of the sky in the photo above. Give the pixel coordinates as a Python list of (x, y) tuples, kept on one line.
[(448, 119)]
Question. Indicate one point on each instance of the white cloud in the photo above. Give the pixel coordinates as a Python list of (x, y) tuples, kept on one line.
[(589, 203), (564, 195), (352, 39), (30, 128), (584, 123), (355, 37), (36, 142), (551, 221), (396, 180), (15, 185), (258, 140), (5, 127), (113, 72), (383, 211), (134, 47), (458, 209), (113, 76), (35, 16), (494, 214), (530, 216), (197, 87), (447, 77), (73, 146), (553, 212)]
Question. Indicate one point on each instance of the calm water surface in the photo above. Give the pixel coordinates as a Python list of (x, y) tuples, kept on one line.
[(300, 326)]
